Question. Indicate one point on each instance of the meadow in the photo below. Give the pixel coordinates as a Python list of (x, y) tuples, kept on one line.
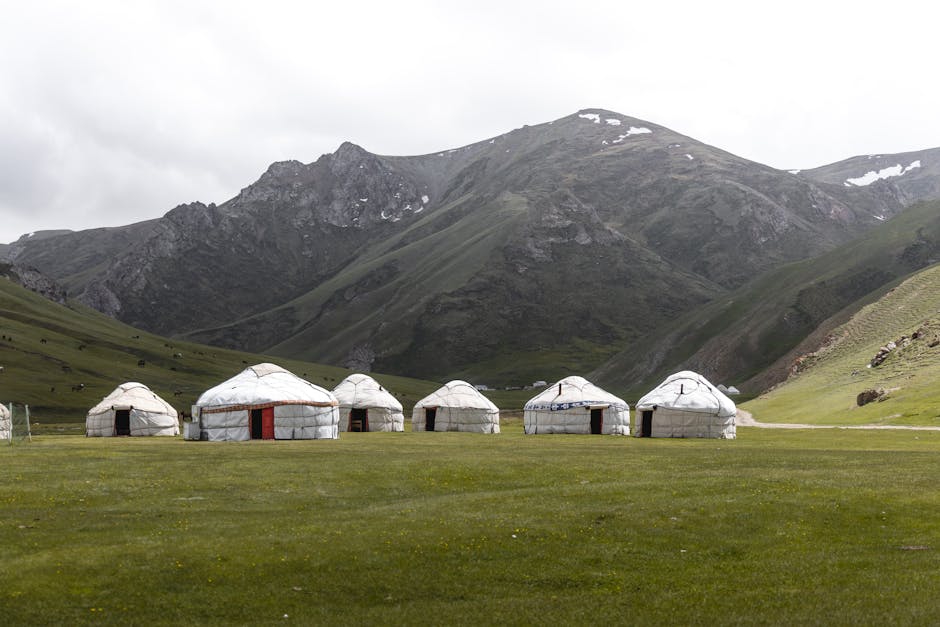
[(776, 527)]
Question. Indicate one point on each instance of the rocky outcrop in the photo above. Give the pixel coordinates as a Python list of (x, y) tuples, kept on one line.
[(869, 396), (35, 281)]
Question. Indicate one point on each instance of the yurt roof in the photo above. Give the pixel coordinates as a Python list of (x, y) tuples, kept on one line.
[(689, 391), (457, 394), (574, 392), (4, 411), (265, 383), (361, 390), (136, 395)]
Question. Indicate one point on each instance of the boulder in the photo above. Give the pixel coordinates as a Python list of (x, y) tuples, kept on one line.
[(868, 396)]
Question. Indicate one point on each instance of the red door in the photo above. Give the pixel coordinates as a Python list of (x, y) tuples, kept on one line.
[(267, 423)]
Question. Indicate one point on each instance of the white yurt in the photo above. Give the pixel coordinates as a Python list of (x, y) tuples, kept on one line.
[(575, 405), (265, 402), (364, 405), (685, 405), (6, 423), (132, 409), (456, 406)]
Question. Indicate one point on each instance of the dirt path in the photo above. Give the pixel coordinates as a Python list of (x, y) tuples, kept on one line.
[(745, 419)]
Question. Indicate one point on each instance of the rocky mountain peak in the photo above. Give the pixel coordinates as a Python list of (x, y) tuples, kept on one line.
[(349, 158), (195, 216)]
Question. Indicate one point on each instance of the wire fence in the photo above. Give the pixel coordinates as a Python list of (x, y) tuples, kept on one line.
[(18, 430)]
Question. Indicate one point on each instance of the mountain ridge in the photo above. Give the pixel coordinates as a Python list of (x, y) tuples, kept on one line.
[(454, 262)]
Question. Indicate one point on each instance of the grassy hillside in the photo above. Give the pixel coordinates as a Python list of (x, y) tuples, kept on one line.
[(789, 528), (830, 379), (47, 348), (747, 338)]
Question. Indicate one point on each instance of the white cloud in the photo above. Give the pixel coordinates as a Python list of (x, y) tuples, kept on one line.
[(116, 111)]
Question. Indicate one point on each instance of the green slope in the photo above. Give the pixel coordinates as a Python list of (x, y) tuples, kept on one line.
[(47, 348), (749, 337), (825, 389)]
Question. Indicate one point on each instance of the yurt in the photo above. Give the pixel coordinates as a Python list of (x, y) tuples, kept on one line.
[(132, 409), (456, 406), (575, 405), (364, 405), (685, 405), (6, 424), (265, 402)]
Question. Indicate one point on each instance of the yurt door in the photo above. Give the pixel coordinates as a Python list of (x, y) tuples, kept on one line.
[(430, 415), (597, 421), (122, 422), (646, 424), (358, 419), (256, 424), (267, 423), (262, 424)]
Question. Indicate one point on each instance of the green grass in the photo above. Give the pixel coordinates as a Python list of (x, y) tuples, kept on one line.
[(825, 392), (423, 528)]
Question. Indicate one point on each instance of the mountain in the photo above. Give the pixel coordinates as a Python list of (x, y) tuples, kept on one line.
[(526, 256), (903, 177), (62, 358), (902, 328), (8, 251), (752, 337)]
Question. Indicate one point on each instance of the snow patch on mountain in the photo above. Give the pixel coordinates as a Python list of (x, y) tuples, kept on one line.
[(633, 130), (870, 177)]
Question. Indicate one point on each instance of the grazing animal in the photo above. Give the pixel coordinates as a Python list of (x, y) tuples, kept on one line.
[(1, 369), (135, 337), (177, 355), (81, 347), (52, 389), (141, 363), (177, 392), (78, 387), (42, 340)]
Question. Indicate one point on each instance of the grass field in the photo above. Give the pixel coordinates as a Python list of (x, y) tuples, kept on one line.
[(825, 392), (777, 527)]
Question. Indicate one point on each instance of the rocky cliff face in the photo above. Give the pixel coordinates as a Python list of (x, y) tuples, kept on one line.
[(576, 236), (34, 280)]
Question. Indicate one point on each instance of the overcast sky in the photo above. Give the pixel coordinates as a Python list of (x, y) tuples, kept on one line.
[(115, 112)]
